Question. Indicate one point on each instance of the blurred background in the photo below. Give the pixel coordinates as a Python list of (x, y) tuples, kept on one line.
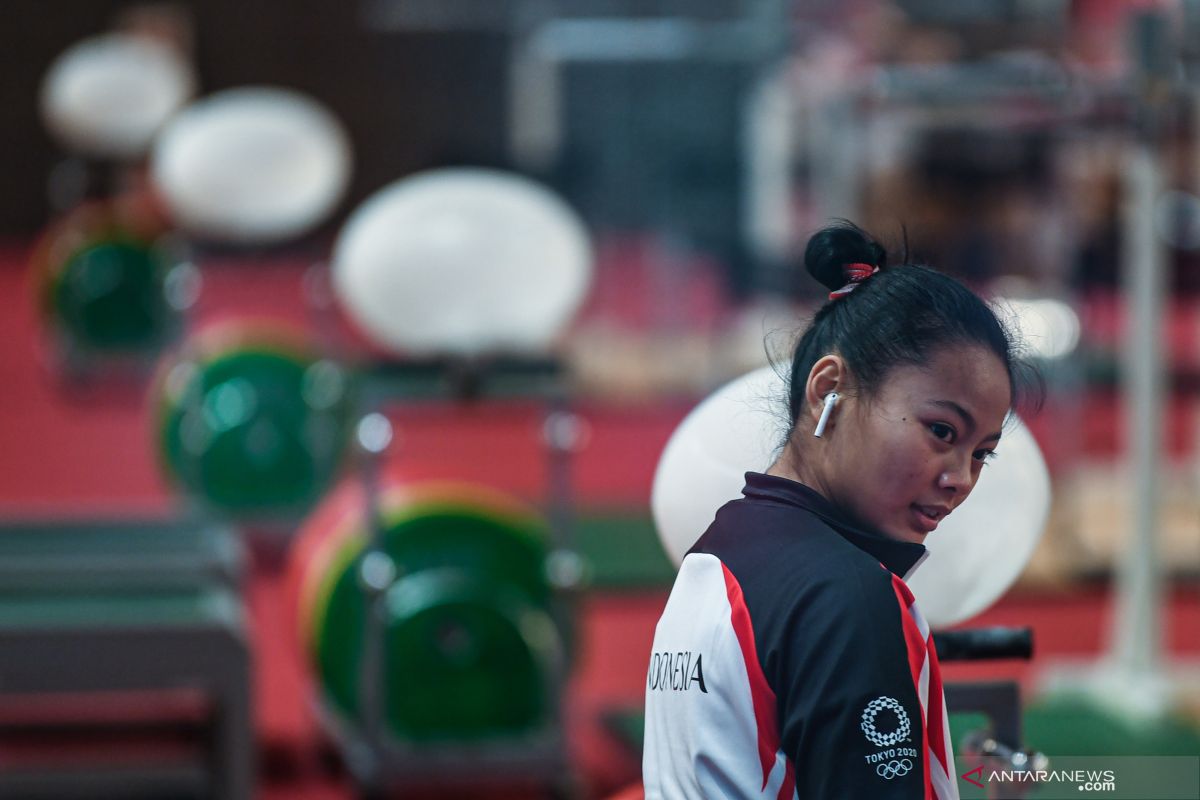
[(342, 342)]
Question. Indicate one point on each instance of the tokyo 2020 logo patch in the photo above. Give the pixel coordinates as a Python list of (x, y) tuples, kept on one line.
[(888, 738)]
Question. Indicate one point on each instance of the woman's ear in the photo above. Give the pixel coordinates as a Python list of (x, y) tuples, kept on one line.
[(828, 375)]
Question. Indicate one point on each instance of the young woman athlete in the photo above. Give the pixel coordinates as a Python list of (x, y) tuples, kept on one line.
[(791, 661)]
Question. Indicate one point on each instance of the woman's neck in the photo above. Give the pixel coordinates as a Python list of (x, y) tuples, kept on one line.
[(801, 468)]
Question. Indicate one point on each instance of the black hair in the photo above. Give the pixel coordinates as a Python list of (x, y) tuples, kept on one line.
[(900, 315)]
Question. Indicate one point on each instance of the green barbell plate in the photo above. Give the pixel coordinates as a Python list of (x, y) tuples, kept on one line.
[(109, 296), (334, 535), (254, 429), (468, 638)]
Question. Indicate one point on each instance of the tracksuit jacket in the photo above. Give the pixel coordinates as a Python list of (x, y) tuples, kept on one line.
[(792, 662)]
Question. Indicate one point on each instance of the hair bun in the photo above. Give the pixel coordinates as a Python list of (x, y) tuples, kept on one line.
[(832, 248)]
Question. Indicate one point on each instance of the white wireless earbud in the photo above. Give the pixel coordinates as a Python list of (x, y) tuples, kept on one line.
[(830, 400)]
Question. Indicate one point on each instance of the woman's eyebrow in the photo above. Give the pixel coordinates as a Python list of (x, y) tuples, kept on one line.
[(967, 418)]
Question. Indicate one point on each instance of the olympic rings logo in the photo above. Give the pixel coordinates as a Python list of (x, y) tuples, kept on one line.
[(891, 738), (896, 768)]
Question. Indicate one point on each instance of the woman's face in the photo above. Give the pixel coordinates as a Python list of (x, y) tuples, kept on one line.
[(903, 459)]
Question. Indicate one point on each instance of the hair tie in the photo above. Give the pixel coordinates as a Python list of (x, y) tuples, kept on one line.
[(855, 274)]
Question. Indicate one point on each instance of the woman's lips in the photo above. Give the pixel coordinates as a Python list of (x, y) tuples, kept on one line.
[(927, 517)]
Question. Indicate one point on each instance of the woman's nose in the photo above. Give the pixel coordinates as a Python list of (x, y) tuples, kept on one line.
[(957, 476)]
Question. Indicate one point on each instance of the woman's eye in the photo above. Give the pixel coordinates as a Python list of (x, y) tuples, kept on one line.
[(984, 455), (942, 431)]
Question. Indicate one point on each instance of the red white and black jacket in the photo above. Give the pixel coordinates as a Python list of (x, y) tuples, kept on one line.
[(791, 662)]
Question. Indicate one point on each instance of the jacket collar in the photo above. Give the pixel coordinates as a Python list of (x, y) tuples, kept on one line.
[(900, 558)]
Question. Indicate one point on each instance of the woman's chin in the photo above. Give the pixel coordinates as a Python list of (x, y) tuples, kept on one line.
[(907, 534)]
